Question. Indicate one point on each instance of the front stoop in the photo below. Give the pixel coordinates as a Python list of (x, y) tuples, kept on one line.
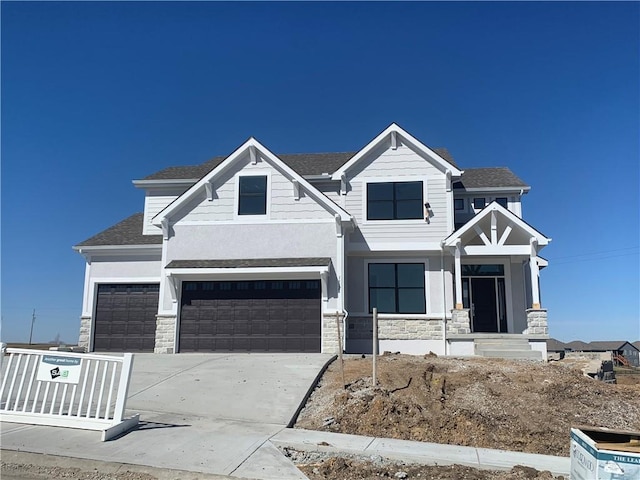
[(505, 346)]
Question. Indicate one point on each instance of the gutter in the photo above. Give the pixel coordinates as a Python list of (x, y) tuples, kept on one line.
[(444, 299)]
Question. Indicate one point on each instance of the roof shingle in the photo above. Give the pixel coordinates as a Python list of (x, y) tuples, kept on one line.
[(488, 177), (126, 232)]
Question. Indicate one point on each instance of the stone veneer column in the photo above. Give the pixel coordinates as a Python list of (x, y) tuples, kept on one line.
[(460, 322), (537, 322), (84, 340), (330, 342), (165, 334)]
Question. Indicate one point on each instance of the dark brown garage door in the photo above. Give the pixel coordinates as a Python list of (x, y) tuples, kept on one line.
[(126, 317), (252, 316)]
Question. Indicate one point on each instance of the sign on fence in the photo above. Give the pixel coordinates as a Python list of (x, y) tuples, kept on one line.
[(84, 391)]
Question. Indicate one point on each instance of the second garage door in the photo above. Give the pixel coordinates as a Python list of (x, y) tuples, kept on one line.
[(251, 316)]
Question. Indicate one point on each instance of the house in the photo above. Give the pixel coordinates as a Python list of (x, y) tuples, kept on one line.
[(556, 349), (290, 253), (622, 352)]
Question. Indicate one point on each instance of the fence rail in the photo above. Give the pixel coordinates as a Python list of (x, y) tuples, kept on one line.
[(64, 389)]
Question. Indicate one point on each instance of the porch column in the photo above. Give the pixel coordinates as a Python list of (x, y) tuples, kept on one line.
[(458, 273), (533, 268)]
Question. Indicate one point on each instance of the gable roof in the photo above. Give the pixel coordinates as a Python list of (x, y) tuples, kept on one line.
[(305, 164), (578, 346), (481, 178), (126, 232), (606, 346), (413, 142), (450, 241), (554, 345), (275, 162)]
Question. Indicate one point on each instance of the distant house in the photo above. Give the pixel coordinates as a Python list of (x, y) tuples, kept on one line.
[(622, 352)]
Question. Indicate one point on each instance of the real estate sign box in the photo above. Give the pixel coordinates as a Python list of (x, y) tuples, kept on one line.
[(604, 454)]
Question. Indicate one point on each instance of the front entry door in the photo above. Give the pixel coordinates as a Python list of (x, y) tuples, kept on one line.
[(484, 308)]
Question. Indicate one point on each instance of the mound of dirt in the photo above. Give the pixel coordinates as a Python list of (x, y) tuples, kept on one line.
[(491, 403)]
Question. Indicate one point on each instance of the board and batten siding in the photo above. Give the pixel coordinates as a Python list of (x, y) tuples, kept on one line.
[(222, 208), (399, 165)]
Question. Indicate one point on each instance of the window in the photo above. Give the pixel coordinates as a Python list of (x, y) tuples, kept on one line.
[(396, 287), (502, 201), (479, 203), (394, 201), (459, 203), (252, 196)]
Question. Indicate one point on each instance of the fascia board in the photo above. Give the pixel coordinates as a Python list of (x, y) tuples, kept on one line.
[(146, 184), (105, 250), (493, 189), (415, 143), (266, 272), (450, 241)]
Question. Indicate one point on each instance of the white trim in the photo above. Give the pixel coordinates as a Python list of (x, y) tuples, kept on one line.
[(490, 190), (510, 216), (374, 248), (251, 222), (407, 139), (248, 273), (496, 250), (265, 217), (231, 160), (150, 184), (118, 249)]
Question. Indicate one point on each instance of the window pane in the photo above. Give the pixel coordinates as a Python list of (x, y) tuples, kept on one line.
[(482, 270), (411, 300), (380, 210), (380, 191), (382, 275), (382, 298), (411, 275), (409, 209), (253, 184), (459, 203), (409, 191), (478, 203), (252, 205), (502, 201)]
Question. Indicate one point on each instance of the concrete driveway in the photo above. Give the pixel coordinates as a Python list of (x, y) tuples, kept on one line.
[(210, 413)]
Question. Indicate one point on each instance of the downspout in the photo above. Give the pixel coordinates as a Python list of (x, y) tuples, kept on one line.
[(444, 299)]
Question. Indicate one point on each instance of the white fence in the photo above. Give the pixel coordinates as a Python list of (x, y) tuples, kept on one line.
[(77, 390)]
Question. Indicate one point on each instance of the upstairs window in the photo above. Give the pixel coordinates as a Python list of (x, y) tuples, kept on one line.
[(459, 203), (479, 203), (396, 287), (502, 201), (394, 201), (252, 199)]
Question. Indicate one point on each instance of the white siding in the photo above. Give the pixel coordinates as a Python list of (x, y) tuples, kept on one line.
[(402, 164), (155, 200), (283, 204), (127, 268)]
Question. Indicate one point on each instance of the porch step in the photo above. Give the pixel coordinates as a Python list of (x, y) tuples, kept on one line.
[(506, 347)]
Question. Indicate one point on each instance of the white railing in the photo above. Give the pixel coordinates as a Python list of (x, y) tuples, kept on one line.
[(77, 390)]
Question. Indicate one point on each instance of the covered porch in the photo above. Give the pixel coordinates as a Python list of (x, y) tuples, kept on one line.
[(496, 287)]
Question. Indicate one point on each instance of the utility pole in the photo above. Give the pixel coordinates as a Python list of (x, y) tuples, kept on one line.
[(33, 320)]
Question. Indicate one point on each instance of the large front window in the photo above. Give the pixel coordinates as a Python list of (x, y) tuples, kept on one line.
[(252, 199), (396, 287), (394, 201)]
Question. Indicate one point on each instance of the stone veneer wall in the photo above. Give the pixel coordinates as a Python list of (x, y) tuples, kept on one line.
[(330, 343), (165, 334), (361, 328), (84, 340), (460, 322), (537, 322)]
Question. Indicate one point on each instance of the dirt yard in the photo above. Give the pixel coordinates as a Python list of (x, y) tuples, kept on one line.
[(512, 405)]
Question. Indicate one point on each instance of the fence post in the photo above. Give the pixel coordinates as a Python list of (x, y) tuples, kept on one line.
[(375, 344), (123, 386)]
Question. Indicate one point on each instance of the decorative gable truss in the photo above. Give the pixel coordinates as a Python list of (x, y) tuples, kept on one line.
[(396, 136), (256, 153), (497, 231)]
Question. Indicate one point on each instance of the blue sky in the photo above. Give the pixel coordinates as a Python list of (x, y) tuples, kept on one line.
[(95, 95)]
